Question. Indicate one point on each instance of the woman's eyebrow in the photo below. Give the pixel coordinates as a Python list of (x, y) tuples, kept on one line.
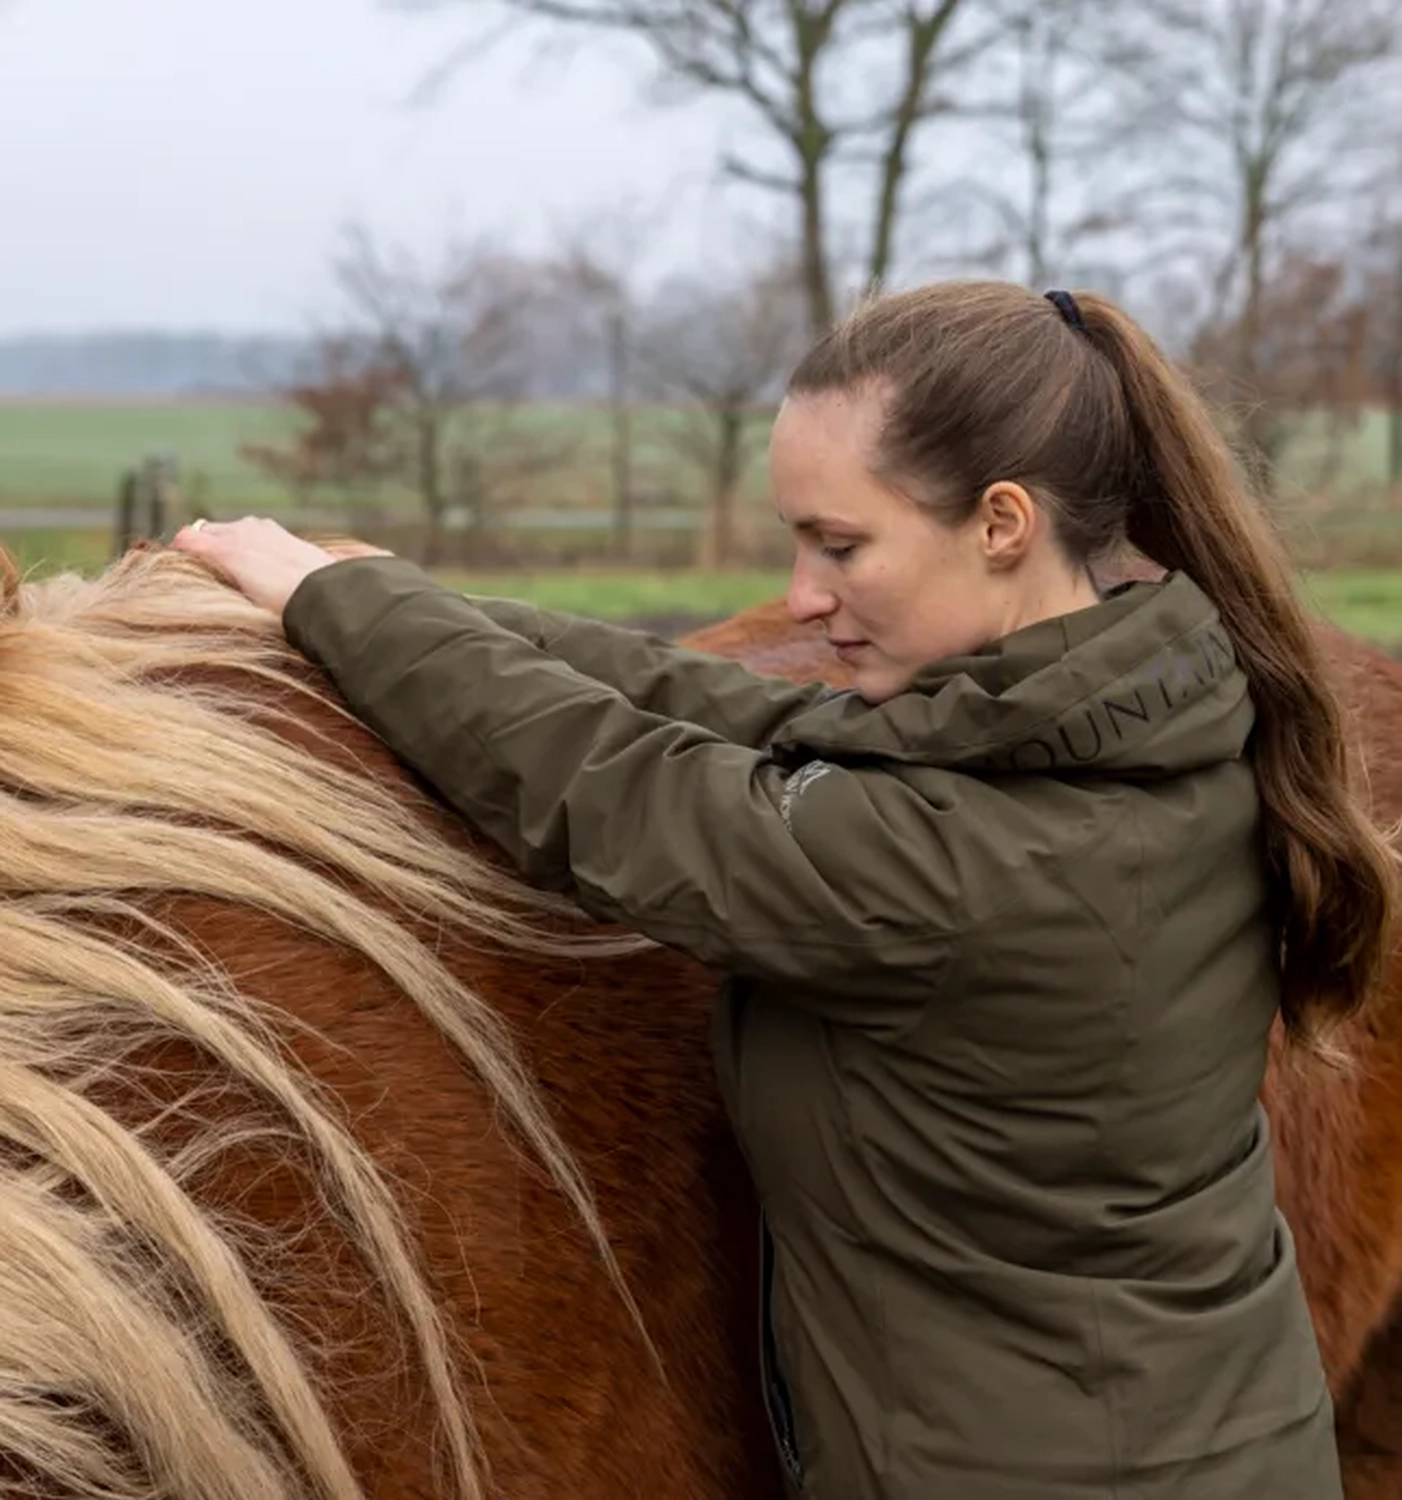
[(824, 523)]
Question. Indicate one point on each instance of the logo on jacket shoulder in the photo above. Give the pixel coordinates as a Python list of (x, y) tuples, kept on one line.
[(1179, 675), (797, 784)]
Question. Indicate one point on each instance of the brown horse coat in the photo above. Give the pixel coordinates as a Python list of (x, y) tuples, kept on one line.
[(567, 1397)]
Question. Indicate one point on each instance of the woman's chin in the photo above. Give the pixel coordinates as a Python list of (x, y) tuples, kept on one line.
[(876, 682)]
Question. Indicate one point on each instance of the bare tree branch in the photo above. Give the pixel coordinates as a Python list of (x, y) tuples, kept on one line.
[(1271, 101), (1051, 186), (741, 171), (821, 77), (470, 50), (449, 338), (719, 353)]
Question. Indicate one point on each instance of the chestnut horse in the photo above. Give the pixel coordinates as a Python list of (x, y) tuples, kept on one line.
[(299, 1096), (338, 1164)]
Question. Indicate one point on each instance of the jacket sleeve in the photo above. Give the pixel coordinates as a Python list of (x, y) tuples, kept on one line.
[(722, 696), (841, 882)]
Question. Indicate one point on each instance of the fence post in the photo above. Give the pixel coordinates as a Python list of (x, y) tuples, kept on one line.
[(162, 490), (145, 499), (125, 531)]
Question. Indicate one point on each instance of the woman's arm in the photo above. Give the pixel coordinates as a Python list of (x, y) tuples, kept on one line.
[(722, 696), (838, 880)]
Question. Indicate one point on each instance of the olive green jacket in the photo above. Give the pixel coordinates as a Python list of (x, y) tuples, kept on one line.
[(1002, 978)]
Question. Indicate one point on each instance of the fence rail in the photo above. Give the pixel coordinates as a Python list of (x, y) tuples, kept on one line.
[(557, 518)]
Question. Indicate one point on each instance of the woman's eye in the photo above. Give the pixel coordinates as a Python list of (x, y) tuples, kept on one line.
[(839, 552)]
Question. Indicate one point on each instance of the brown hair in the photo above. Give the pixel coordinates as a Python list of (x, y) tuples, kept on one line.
[(983, 381)]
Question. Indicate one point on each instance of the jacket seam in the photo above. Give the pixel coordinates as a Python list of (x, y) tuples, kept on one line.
[(1133, 977), (1116, 1462), (916, 934), (958, 943), (835, 1039)]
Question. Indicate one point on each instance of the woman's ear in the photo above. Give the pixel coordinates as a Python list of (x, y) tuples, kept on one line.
[(1007, 519)]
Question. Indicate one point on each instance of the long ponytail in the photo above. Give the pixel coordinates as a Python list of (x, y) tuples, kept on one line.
[(1336, 871)]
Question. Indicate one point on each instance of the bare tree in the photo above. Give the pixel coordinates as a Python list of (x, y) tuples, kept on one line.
[(1047, 105), (842, 89), (1393, 359), (1311, 364), (345, 439), (1262, 113), (452, 339), (720, 352), (596, 273)]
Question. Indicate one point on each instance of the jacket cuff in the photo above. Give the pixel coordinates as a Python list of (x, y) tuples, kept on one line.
[(334, 606)]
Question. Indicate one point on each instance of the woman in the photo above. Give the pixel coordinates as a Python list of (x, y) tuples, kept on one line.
[(1006, 927)]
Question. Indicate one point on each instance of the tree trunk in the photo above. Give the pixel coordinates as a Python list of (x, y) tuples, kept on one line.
[(729, 462), (1039, 63), (430, 484), (817, 283), (1259, 425), (1394, 455), (1039, 217), (431, 553), (622, 436), (883, 242), (922, 38), (1394, 422)]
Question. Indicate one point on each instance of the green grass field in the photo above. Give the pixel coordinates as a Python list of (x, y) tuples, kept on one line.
[(72, 452), (75, 452), (1366, 604), (618, 595), (57, 551)]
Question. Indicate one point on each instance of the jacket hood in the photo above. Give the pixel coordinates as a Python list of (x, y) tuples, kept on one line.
[(1144, 684)]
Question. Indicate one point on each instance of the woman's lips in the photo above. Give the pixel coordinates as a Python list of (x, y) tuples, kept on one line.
[(849, 651)]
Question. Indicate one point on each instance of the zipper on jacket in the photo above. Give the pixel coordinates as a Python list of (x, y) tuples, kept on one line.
[(776, 1391)]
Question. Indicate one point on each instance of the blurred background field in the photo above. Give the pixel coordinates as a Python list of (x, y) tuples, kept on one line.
[(60, 460), (1365, 601), (548, 369), (68, 453)]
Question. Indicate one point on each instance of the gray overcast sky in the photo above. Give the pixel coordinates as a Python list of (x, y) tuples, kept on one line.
[(188, 163)]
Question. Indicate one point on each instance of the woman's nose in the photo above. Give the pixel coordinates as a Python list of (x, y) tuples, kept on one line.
[(807, 600)]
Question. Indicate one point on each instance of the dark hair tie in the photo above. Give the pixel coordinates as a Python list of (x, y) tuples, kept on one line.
[(1066, 305)]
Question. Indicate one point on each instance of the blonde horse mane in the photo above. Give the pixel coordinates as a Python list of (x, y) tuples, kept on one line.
[(149, 749)]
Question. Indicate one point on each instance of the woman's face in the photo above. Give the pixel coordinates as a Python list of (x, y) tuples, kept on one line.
[(893, 588)]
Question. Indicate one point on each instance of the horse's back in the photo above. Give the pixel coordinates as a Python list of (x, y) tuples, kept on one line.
[(569, 1401), (258, 911)]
